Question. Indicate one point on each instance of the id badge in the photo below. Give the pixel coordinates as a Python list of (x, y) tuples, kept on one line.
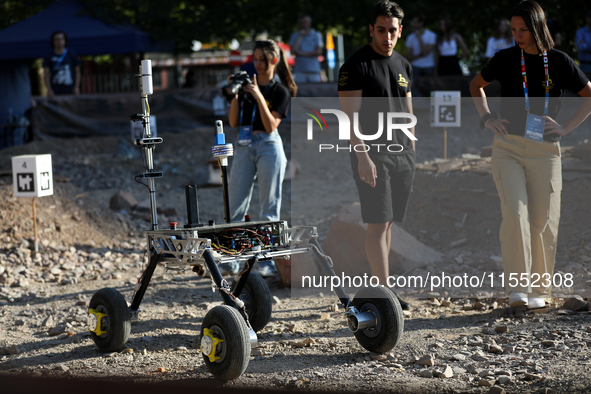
[(534, 129), (245, 136)]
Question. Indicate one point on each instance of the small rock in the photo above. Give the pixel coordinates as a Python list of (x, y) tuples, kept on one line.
[(181, 349), (549, 343), (127, 350), (426, 373), (458, 357), (575, 303), (276, 299), (162, 370), (486, 383), (531, 376), (495, 349), (13, 350), (427, 360), (504, 379), (19, 323), (447, 373), (501, 329), (57, 330), (496, 390)]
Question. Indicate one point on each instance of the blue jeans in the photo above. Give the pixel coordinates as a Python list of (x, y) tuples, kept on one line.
[(264, 160)]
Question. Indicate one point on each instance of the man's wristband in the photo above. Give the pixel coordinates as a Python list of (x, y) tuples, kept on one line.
[(486, 118)]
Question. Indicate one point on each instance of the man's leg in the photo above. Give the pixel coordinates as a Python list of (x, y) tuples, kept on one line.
[(377, 250)]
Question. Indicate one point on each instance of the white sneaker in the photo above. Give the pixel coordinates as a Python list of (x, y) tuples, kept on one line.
[(535, 302), (517, 298)]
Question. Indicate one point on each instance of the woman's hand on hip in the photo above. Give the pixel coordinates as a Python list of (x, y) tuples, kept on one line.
[(552, 127), (497, 125)]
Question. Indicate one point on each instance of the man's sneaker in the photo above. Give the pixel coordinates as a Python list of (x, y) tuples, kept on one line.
[(403, 304), (534, 302), (517, 298)]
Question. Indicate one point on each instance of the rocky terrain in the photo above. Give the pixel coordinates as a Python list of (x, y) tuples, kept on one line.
[(453, 342)]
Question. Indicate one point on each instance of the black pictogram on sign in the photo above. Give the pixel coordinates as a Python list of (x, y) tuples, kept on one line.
[(447, 113), (26, 182)]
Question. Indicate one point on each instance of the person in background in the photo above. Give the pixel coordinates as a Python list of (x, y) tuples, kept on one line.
[(500, 40), (420, 45), (61, 68), (526, 159), (448, 43), (306, 45), (583, 40)]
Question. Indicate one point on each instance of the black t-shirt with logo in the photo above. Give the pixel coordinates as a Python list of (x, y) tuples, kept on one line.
[(505, 67), (277, 97), (381, 77)]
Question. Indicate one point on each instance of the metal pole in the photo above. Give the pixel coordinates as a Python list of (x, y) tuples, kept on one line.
[(445, 143), (35, 226), (225, 187)]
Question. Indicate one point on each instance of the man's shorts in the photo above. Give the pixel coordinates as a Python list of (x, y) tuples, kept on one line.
[(388, 200)]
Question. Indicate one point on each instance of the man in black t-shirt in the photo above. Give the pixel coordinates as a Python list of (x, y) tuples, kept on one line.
[(378, 79), (61, 67)]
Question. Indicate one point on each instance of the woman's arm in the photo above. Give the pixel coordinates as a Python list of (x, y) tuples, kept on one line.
[(479, 97), (270, 120), (578, 117)]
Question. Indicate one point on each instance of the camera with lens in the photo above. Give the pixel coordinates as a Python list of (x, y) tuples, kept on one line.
[(236, 85)]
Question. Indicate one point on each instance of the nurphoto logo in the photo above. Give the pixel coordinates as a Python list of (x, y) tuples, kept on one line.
[(345, 128)]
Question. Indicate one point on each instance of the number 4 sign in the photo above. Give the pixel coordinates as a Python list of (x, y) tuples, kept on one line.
[(32, 175)]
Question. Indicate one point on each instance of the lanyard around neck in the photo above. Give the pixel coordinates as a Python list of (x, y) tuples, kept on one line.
[(254, 109), (525, 90)]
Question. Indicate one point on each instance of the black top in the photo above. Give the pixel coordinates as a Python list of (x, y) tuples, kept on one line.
[(277, 97), (63, 76), (381, 77), (505, 67)]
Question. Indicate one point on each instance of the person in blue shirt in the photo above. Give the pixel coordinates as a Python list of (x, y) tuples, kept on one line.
[(306, 45)]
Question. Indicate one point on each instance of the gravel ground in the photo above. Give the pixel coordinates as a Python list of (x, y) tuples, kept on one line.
[(451, 342)]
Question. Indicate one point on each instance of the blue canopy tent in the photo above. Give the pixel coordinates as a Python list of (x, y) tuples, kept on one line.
[(87, 36), (29, 39)]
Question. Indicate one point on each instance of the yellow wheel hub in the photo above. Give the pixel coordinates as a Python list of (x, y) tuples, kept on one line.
[(209, 344), (94, 321)]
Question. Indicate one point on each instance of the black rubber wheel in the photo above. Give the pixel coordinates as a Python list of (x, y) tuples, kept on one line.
[(257, 299), (383, 303), (233, 352), (116, 323)]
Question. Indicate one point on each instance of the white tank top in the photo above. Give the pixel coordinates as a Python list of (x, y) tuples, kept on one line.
[(448, 48)]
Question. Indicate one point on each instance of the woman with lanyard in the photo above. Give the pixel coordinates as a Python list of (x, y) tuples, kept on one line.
[(526, 162), (259, 152)]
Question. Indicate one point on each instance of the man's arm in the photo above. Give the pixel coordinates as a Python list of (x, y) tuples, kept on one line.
[(315, 53), (47, 80), (425, 49), (410, 111), (77, 81), (350, 103)]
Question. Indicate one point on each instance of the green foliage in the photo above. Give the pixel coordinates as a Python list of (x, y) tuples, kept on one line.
[(12, 11), (222, 20)]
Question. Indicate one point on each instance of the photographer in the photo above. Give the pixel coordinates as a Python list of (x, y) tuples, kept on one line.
[(257, 111)]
